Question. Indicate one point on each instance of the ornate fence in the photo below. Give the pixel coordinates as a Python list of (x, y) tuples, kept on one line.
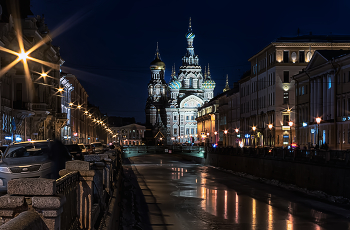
[(332, 157), (67, 185)]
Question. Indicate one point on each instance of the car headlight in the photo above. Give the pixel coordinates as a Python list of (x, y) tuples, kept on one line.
[(5, 170)]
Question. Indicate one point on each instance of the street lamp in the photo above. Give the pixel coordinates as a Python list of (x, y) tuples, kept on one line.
[(216, 140), (270, 127), (318, 120), (225, 137), (254, 128), (290, 123), (237, 130)]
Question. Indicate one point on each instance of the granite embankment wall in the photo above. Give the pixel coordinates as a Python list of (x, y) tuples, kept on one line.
[(334, 180)]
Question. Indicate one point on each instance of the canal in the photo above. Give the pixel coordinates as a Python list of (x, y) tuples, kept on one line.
[(167, 192)]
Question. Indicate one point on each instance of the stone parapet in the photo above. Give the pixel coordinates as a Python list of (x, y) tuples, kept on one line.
[(32, 187)]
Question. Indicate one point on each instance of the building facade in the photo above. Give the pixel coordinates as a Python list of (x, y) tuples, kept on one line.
[(30, 103), (131, 134), (323, 91), (268, 91)]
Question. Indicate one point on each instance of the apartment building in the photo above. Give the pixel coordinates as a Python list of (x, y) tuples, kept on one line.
[(323, 101), (268, 91)]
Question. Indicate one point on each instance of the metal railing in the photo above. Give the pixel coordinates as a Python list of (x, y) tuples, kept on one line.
[(67, 186), (332, 157)]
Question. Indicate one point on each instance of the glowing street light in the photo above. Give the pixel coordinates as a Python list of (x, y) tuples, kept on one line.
[(318, 121), (225, 131), (254, 128), (22, 56), (270, 127), (60, 89), (79, 106), (290, 123), (236, 130)]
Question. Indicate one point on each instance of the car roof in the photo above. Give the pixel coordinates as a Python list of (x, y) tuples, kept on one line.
[(28, 142)]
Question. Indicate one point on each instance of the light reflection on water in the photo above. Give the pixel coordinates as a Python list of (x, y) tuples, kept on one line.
[(234, 208)]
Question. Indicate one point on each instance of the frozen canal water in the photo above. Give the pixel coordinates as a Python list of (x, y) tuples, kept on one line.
[(183, 195)]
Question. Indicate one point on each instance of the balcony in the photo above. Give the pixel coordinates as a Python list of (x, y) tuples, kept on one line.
[(38, 106)]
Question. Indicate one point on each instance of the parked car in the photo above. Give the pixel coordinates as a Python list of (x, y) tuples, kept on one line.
[(75, 151), (97, 147), (31, 159)]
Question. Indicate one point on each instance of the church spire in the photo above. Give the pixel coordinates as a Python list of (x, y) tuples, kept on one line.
[(227, 87), (190, 26), (209, 75), (205, 73), (173, 72), (157, 52)]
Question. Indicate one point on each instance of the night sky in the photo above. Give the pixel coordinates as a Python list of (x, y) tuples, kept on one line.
[(109, 44)]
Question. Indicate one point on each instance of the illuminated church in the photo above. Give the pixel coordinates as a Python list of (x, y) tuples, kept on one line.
[(171, 109)]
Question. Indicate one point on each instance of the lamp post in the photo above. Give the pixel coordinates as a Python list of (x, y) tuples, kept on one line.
[(290, 123), (270, 127), (237, 130), (225, 137), (318, 120), (216, 133), (254, 128)]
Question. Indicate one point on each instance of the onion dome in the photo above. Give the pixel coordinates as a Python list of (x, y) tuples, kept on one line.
[(175, 84), (208, 84), (157, 62), (190, 34)]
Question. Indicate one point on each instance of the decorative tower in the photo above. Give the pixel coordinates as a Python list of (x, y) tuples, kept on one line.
[(190, 73), (157, 98), (174, 87), (208, 85), (227, 87)]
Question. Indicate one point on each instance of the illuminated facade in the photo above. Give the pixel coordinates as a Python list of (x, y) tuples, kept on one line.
[(267, 92), (29, 106), (323, 91), (189, 90)]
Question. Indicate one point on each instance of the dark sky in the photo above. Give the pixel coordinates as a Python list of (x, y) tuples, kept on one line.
[(109, 44)]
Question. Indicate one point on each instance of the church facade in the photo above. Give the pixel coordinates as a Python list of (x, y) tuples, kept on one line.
[(173, 107)]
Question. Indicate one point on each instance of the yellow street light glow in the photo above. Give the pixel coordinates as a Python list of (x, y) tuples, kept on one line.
[(71, 104), (290, 123), (270, 126), (254, 128), (90, 115), (79, 106), (318, 120), (86, 112), (60, 89), (216, 133), (44, 74), (22, 56), (225, 131), (236, 130)]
